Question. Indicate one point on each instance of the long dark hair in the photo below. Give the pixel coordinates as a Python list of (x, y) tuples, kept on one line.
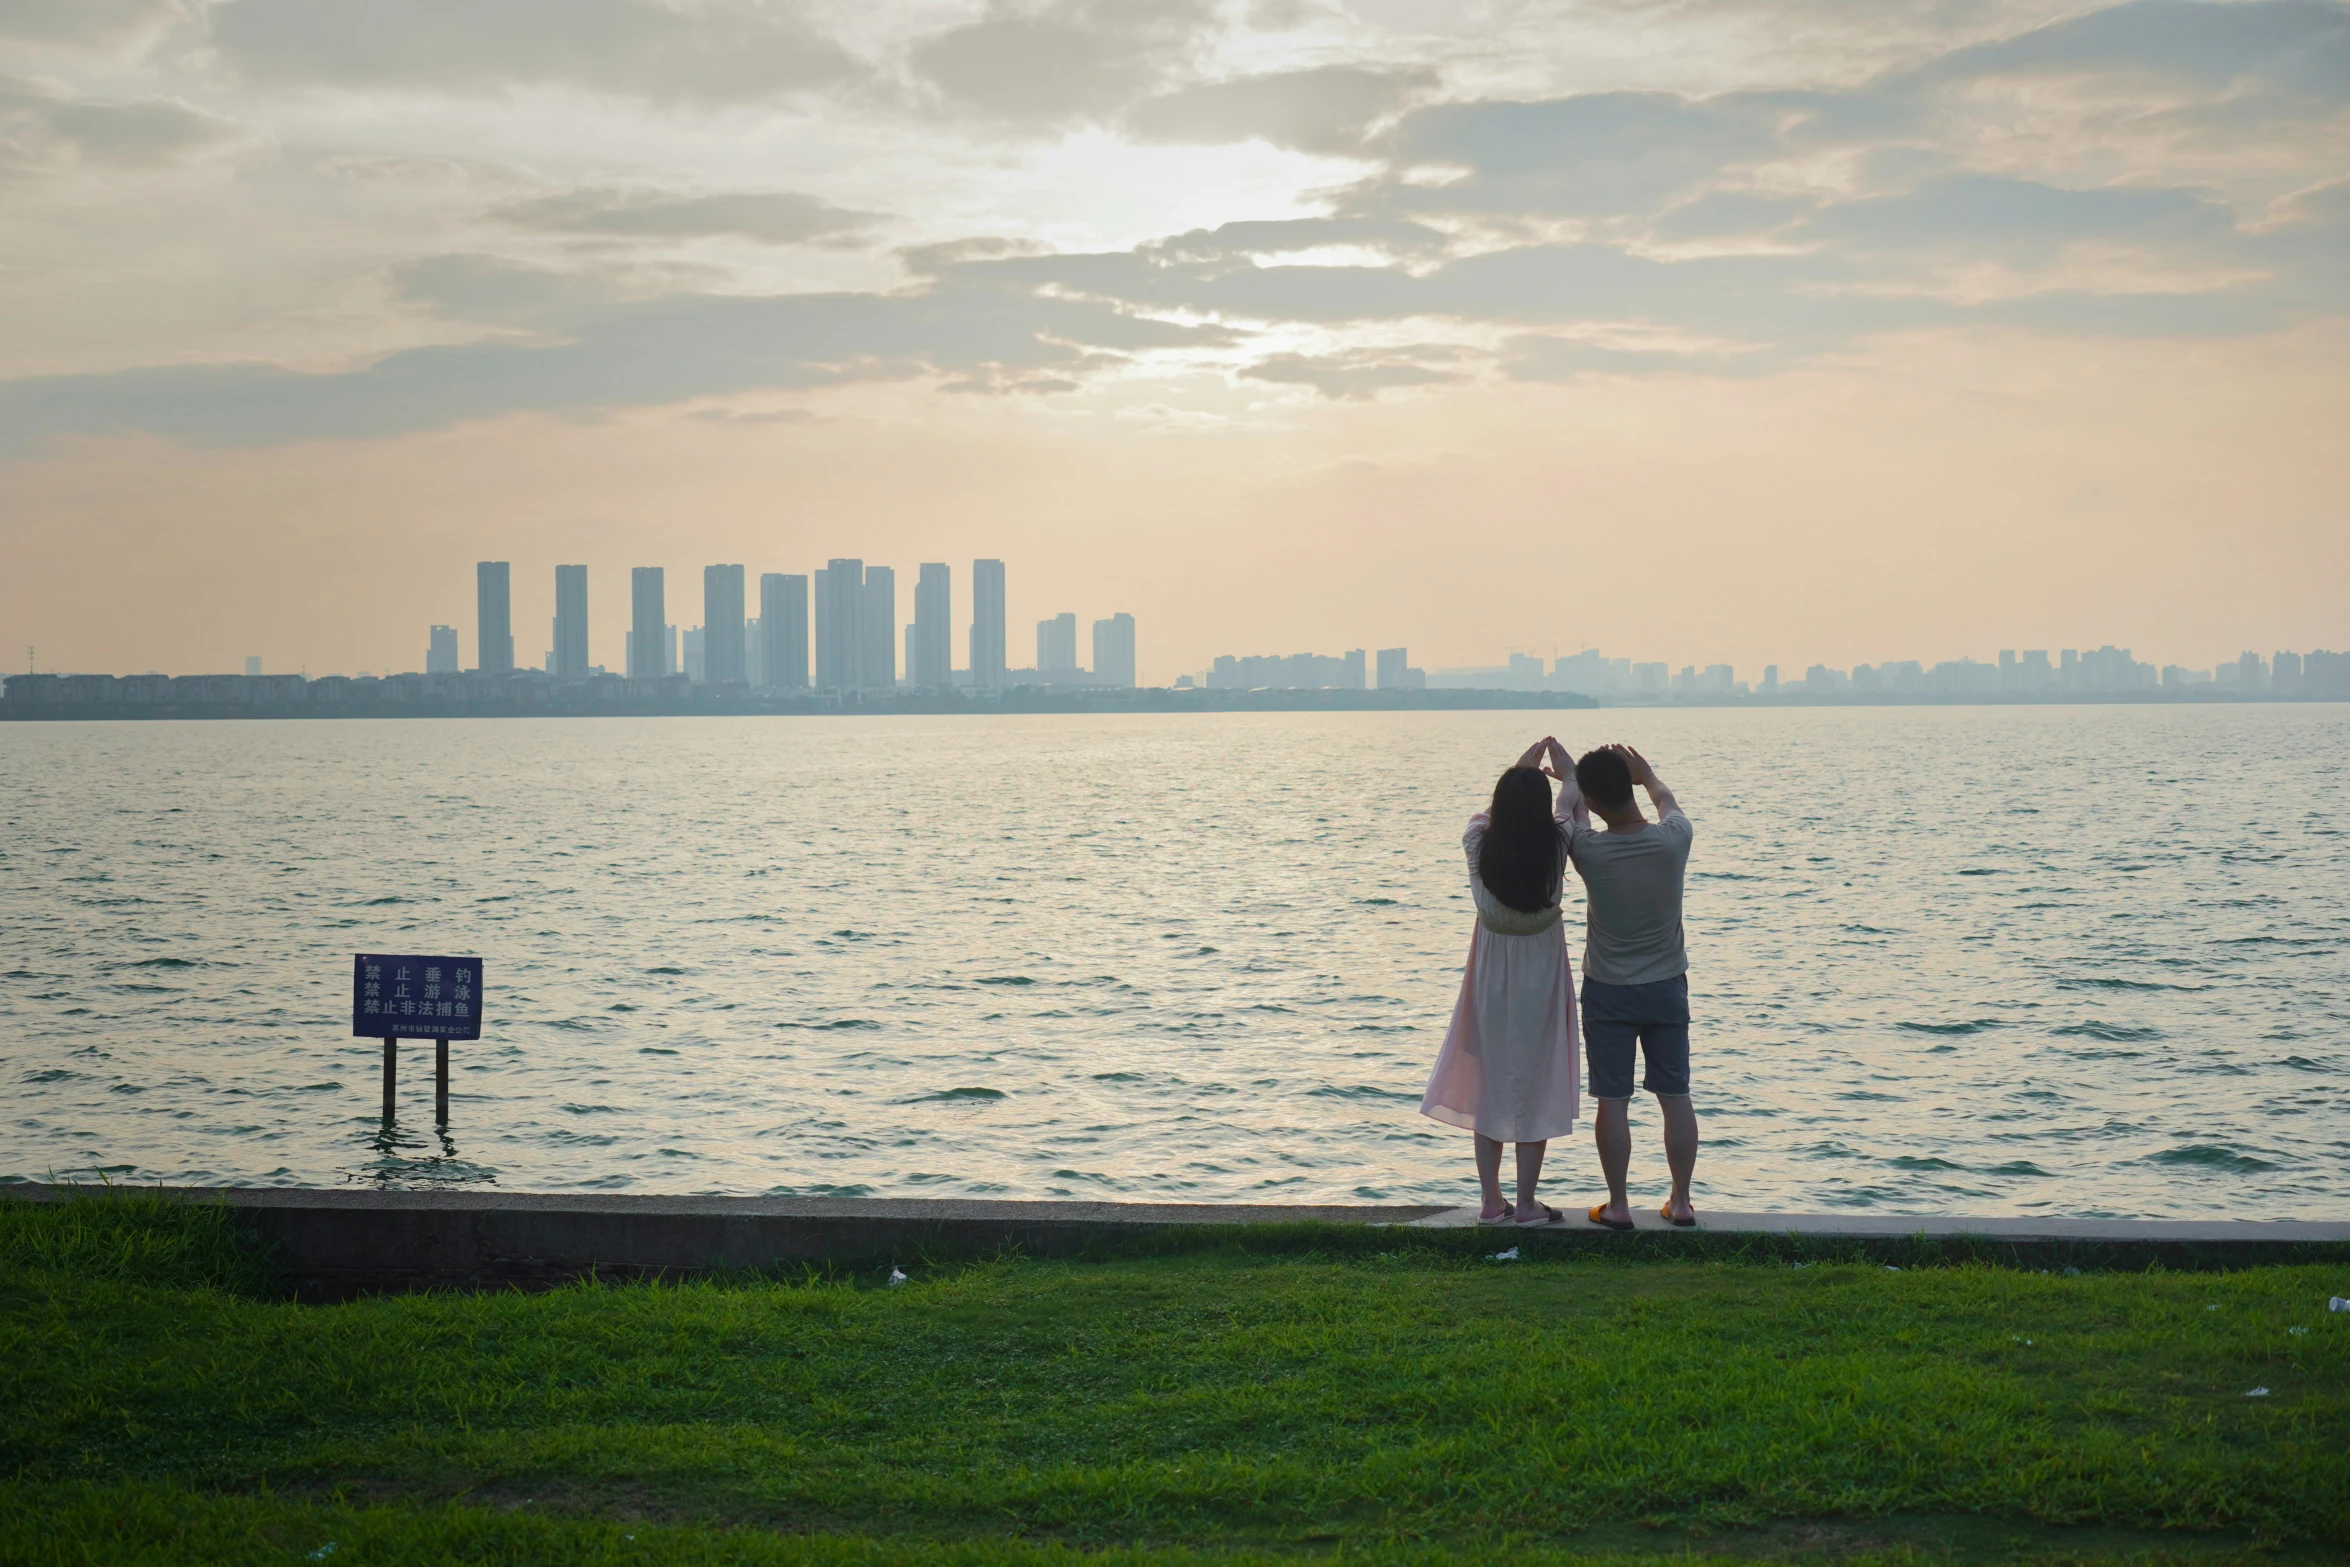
[(1524, 848)]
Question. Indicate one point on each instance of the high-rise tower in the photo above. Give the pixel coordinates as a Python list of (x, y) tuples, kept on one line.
[(783, 632), (1056, 645), (722, 626), (929, 658), (840, 606), (987, 623), (877, 662), (571, 623), (648, 637), (494, 618)]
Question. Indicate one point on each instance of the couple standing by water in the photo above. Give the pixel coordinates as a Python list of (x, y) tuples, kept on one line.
[(1509, 1069)]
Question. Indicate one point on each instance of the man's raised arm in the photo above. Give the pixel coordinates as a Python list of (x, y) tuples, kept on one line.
[(1645, 776)]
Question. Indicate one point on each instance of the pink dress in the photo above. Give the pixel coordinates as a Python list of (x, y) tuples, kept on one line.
[(1511, 1068)]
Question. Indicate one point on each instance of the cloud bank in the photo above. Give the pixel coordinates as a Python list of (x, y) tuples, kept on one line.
[(2157, 169)]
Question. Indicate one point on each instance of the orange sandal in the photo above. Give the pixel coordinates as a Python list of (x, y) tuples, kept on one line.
[(1597, 1214), (1666, 1213)]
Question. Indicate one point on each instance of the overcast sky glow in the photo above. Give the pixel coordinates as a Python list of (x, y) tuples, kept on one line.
[(1722, 331)]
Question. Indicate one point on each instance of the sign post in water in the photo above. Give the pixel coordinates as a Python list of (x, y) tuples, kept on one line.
[(407, 997)]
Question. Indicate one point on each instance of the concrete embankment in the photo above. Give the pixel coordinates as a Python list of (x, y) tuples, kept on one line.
[(334, 1244)]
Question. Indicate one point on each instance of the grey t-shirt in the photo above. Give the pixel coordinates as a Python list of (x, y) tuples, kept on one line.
[(1632, 900)]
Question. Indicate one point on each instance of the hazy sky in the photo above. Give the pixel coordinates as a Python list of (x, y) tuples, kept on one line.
[(1705, 331)]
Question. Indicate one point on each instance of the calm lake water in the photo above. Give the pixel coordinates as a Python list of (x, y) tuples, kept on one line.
[(2068, 960)]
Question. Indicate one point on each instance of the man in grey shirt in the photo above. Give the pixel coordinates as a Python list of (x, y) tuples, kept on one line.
[(1635, 967)]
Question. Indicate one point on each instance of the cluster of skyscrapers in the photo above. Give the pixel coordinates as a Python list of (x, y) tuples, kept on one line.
[(835, 629)]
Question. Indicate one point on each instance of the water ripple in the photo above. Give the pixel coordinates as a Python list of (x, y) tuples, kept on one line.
[(1981, 960)]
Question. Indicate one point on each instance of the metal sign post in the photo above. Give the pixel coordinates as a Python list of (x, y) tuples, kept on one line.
[(396, 997)]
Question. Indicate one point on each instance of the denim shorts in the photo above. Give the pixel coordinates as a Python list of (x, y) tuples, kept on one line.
[(1656, 1015)]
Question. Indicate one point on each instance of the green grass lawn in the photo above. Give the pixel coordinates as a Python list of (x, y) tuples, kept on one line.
[(1424, 1404)]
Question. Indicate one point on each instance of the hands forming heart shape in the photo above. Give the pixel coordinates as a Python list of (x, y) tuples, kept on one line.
[(1555, 761)]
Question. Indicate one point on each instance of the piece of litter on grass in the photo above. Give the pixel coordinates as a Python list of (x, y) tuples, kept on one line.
[(896, 1278), (1504, 1256), (323, 1552), (2337, 1303), (2258, 1392), (2211, 1308), (1889, 1268), (2296, 1330), (2072, 1273)]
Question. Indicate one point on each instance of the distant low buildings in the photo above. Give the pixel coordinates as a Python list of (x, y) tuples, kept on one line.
[(2033, 674), (1396, 673), (1296, 672), (440, 657)]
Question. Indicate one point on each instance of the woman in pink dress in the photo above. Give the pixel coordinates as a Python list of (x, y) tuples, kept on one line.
[(1510, 1069)]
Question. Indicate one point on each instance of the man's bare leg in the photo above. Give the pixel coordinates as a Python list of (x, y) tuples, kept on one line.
[(1489, 1177), (1611, 1129), (1680, 1149), (1529, 1174)]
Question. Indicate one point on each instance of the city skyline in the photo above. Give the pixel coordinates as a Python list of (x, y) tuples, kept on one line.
[(855, 606), (862, 621), (1732, 334), (610, 614), (835, 631)]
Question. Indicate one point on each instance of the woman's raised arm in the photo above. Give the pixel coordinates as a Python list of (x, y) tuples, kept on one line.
[(1561, 766)]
